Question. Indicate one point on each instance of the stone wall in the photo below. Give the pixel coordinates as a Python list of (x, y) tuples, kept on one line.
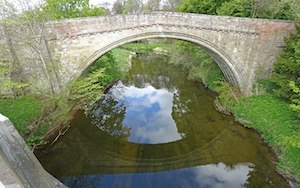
[(241, 46), (21, 160)]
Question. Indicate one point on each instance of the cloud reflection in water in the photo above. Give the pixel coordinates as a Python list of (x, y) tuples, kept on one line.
[(212, 175), (148, 113)]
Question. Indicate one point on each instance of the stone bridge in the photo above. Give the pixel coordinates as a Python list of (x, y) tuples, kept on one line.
[(242, 47)]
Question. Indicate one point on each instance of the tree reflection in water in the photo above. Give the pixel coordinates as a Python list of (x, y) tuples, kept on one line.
[(108, 115), (144, 115)]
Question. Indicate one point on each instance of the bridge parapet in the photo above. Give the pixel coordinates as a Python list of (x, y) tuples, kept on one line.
[(20, 161), (92, 25)]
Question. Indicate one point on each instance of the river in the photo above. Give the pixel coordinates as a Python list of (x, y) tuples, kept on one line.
[(155, 128)]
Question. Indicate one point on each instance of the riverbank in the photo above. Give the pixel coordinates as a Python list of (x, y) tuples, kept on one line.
[(278, 126), (41, 119), (268, 115), (34, 115)]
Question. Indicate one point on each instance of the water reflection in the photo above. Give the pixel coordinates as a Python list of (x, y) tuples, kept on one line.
[(213, 175), (192, 144), (148, 113), (220, 175)]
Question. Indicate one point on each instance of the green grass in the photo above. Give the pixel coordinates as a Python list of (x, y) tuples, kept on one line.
[(121, 56), (146, 47), (21, 111), (37, 113), (279, 126)]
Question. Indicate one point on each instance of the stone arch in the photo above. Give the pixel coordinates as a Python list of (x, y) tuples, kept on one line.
[(223, 60)]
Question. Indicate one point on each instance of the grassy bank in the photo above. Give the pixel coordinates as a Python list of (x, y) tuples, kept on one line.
[(24, 113), (122, 56), (279, 127), (33, 115)]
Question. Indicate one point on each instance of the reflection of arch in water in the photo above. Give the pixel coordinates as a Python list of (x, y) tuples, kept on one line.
[(100, 158), (222, 59), (189, 157), (199, 155)]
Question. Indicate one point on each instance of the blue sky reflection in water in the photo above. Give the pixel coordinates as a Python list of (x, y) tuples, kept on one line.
[(155, 128), (148, 113), (207, 176)]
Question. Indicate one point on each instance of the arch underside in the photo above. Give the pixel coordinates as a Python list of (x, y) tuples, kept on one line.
[(225, 63)]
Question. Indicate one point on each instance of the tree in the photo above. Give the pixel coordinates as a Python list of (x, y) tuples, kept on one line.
[(152, 5), (171, 5), (127, 6), (286, 73), (60, 9), (29, 21), (118, 7), (133, 6), (88, 90), (109, 63), (201, 6), (238, 8), (272, 9)]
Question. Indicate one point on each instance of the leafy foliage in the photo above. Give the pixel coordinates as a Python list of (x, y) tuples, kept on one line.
[(152, 5), (87, 90), (201, 6), (127, 6), (197, 63), (111, 66), (118, 7), (60, 9), (273, 9), (136, 6), (238, 8), (296, 102), (228, 97), (132, 6), (287, 72)]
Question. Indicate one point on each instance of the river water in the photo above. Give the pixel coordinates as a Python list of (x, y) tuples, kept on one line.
[(154, 128)]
